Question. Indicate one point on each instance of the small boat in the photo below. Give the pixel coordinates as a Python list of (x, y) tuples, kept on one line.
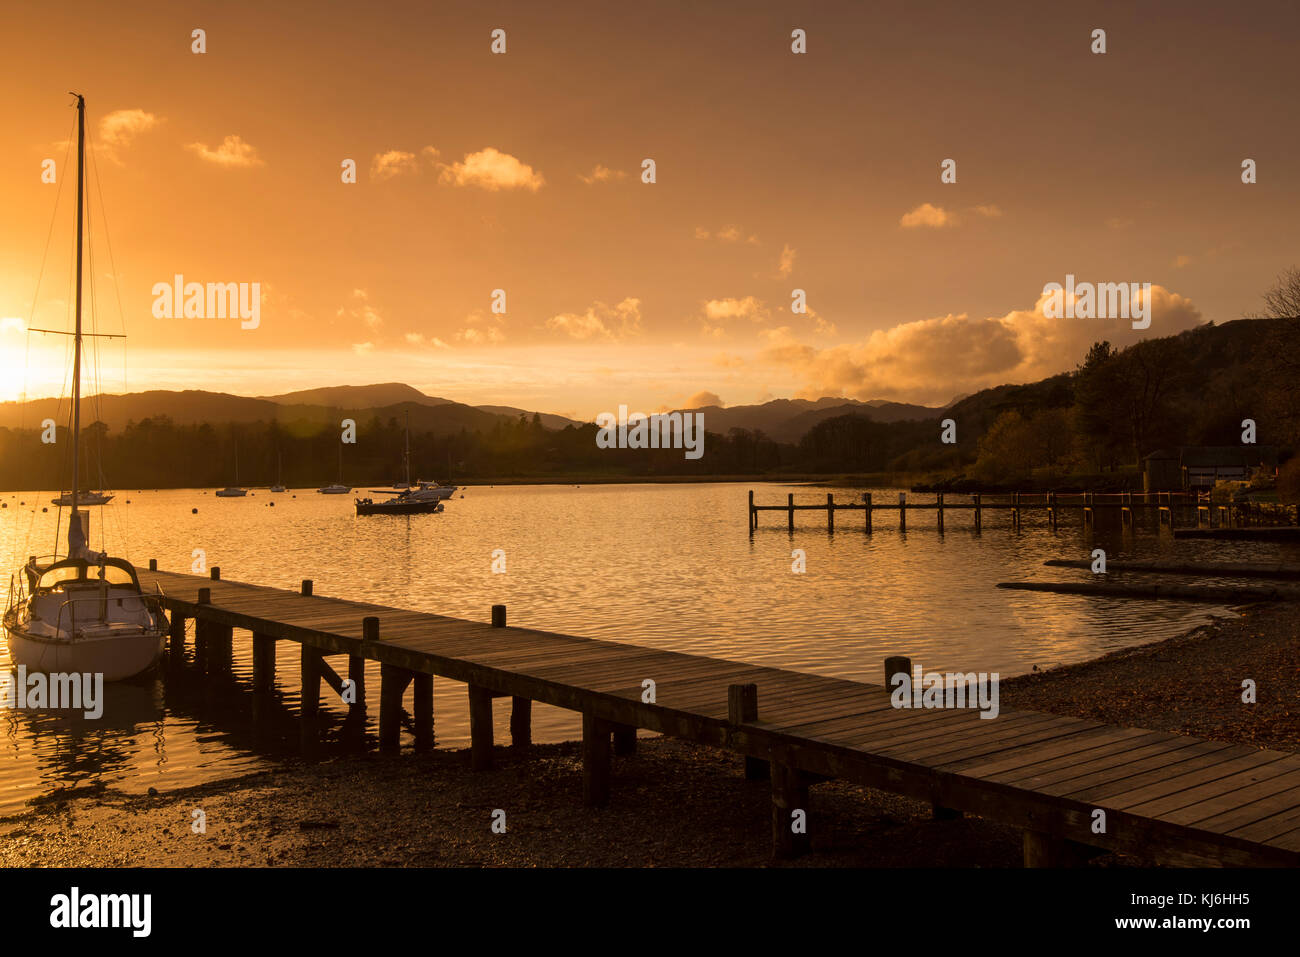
[(279, 485), (418, 500), (337, 488), (84, 498), (61, 618), (233, 491)]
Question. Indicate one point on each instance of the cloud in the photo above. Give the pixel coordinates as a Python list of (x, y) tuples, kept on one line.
[(931, 359), (785, 265), (492, 170), (233, 153), (117, 129), (483, 329), (418, 339), (730, 233), (602, 174), (393, 163), (359, 309), (701, 399), (723, 310), (927, 215), (600, 321), (989, 210)]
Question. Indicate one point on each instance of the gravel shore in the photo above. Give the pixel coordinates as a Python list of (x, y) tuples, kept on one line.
[(674, 804)]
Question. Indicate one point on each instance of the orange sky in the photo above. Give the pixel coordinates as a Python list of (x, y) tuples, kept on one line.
[(522, 172)]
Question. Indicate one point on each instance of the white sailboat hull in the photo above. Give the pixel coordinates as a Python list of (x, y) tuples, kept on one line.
[(115, 656)]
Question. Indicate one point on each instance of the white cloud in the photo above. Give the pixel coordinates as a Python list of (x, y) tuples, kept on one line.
[(233, 153), (119, 128), (926, 215), (392, 163), (600, 321), (602, 174), (931, 359), (492, 170)]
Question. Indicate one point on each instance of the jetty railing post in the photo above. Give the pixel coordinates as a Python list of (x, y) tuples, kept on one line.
[(742, 708), (521, 709), (1051, 509), (830, 512), (790, 509), (480, 728), (753, 515), (595, 760), (902, 665), (392, 686), (1015, 510), (357, 665), (215, 572), (307, 586), (867, 510), (939, 511), (902, 511), (153, 564), (979, 513)]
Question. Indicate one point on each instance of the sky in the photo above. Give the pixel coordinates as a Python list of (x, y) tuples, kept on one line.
[(522, 171)]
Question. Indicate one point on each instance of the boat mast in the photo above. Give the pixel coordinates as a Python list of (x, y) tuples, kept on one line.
[(76, 349), (408, 448)]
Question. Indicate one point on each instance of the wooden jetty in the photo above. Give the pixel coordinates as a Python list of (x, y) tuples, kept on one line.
[(1216, 594), (1280, 570), (1168, 506), (1179, 799)]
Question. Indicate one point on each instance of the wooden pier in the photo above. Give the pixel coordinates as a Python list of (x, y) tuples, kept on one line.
[(1168, 506), (1179, 799)]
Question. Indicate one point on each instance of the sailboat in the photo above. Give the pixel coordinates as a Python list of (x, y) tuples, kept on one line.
[(233, 491), (85, 497), (86, 612), (278, 486), (338, 488), (409, 501)]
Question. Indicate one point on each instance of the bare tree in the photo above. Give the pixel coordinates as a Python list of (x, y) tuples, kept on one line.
[(1282, 304)]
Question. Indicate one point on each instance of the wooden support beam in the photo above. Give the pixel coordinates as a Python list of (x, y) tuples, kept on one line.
[(392, 686), (742, 708), (307, 586), (790, 507), (902, 511), (498, 616), (939, 511), (595, 760), (263, 662), (979, 513), (330, 676), (422, 687), (215, 572), (480, 728), (311, 665), (830, 512), (153, 564), (753, 515), (1046, 850), (899, 664), (521, 722), (176, 639), (220, 654), (624, 739), (866, 502), (790, 837)]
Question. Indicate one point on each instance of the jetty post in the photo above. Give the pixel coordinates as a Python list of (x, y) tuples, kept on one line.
[(866, 507), (742, 708), (790, 509), (830, 512), (902, 512), (939, 510), (979, 520)]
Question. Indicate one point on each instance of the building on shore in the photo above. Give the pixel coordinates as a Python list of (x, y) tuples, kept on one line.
[(1197, 468)]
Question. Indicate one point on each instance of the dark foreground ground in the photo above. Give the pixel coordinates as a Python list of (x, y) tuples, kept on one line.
[(673, 804)]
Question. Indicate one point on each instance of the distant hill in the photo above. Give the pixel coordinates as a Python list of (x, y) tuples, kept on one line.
[(356, 396), (786, 420)]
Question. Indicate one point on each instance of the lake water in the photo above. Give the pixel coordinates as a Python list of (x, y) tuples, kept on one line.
[(671, 566)]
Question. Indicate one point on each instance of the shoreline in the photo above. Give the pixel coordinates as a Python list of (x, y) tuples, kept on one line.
[(673, 803)]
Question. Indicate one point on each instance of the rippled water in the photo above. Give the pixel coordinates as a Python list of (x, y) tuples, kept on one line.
[(670, 566)]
